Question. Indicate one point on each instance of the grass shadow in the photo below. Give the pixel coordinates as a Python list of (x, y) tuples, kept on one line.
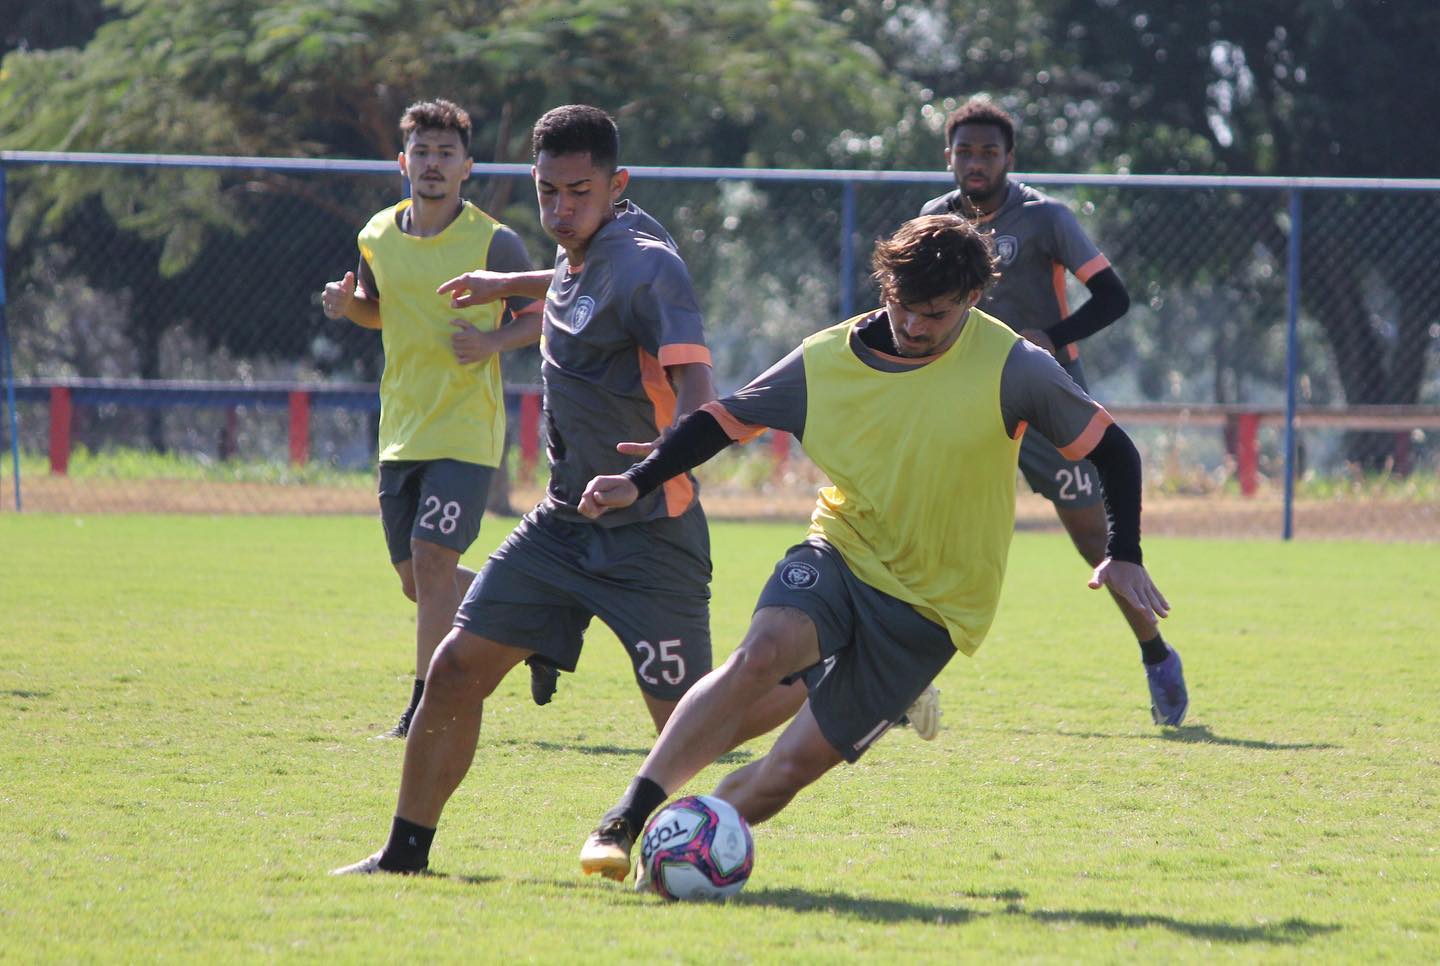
[(729, 758), (1202, 735), (1282, 932), (20, 693), (856, 907)]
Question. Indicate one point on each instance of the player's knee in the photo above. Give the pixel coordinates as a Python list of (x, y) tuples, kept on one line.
[(433, 566), (758, 662), (784, 774), (457, 670)]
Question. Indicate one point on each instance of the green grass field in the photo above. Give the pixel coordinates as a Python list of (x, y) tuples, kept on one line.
[(186, 706)]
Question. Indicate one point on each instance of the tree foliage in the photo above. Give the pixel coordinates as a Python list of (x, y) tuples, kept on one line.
[(1281, 87)]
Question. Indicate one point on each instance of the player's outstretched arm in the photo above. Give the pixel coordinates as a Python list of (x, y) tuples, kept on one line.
[(481, 286), (1123, 569), (605, 493), (470, 345), (698, 437), (694, 386), (1132, 582)]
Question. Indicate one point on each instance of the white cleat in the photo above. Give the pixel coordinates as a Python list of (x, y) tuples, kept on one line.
[(924, 713)]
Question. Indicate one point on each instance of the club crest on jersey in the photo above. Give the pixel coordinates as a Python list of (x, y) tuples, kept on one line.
[(799, 576), (1006, 247), (581, 314)]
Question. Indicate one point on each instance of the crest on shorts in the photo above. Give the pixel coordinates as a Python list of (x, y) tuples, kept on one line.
[(799, 576), (1006, 248), (581, 313)]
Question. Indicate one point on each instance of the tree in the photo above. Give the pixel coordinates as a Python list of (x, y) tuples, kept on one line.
[(237, 256), (1299, 89)]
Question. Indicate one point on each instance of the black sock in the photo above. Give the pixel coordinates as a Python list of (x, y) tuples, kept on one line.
[(409, 847), (1154, 650), (640, 799), (415, 696)]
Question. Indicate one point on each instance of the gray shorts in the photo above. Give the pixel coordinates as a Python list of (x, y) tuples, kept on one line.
[(441, 501), (877, 652), (1069, 484), (648, 582)]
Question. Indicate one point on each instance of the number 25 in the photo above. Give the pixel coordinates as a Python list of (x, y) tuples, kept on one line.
[(668, 658)]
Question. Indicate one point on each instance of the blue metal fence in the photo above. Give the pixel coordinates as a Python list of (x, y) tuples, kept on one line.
[(896, 190)]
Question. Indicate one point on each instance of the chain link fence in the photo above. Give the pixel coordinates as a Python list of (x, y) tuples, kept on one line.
[(166, 348)]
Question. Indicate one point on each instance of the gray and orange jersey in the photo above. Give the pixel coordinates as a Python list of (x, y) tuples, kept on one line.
[(1037, 240), (1035, 392), (610, 331)]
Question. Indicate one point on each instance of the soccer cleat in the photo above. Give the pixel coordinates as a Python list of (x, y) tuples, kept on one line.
[(607, 850), (924, 714), (1168, 697), (371, 866), (543, 678), (402, 727)]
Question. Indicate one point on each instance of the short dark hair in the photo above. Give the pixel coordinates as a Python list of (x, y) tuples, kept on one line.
[(436, 115), (578, 129), (980, 110), (931, 256)]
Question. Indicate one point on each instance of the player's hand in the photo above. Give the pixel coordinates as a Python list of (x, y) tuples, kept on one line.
[(641, 450), (336, 298), (1038, 337), (1133, 583), (469, 344), (475, 288), (605, 493)]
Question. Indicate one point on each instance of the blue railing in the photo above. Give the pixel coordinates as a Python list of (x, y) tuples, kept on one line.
[(848, 180)]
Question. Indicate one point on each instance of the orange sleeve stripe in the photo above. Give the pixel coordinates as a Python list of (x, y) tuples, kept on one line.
[(1020, 428), (1088, 271), (1089, 436), (679, 492), (734, 428), (680, 355)]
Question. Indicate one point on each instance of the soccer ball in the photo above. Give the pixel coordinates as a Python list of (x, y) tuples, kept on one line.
[(697, 847)]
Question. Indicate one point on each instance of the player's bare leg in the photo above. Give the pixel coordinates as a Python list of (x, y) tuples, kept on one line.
[(1169, 698), (775, 708), (705, 725), (799, 757), (443, 735), (780, 642), (464, 672), (434, 579)]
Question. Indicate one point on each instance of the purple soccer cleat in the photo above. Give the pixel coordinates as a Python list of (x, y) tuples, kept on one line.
[(1168, 697)]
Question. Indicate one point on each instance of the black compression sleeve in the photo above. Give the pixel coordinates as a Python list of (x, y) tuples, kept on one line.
[(697, 438), (1108, 301), (1118, 463)]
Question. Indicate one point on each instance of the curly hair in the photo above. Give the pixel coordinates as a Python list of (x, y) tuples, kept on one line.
[(933, 256), (981, 110), (436, 115)]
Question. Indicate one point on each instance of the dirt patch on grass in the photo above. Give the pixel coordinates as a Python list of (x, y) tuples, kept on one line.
[(1186, 516)]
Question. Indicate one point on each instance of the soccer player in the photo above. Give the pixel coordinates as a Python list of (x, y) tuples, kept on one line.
[(623, 354), (442, 414), (916, 412), (1037, 240)]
